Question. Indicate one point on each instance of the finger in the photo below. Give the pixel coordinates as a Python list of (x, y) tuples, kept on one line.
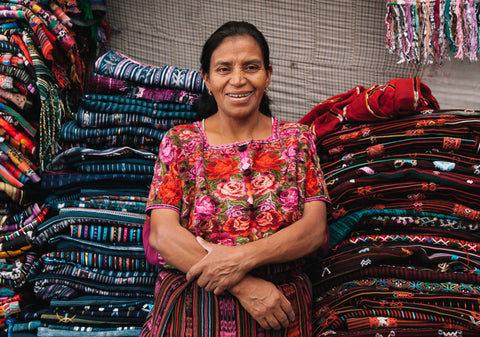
[(192, 273), (288, 310), (264, 324), (210, 286), (273, 323), (201, 282), (204, 244), (219, 290), (282, 318)]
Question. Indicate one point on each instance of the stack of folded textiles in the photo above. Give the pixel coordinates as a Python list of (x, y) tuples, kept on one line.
[(41, 76), (405, 216), (95, 274)]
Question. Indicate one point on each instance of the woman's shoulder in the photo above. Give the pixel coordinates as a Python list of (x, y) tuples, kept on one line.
[(287, 127), (183, 136), (184, 131)]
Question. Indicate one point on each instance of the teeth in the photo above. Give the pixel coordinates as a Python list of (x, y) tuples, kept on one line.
[(240, 95)]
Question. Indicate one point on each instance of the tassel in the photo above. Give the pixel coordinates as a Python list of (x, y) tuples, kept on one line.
[(441, 32), (389, 32), (408, 21), (472, 28), (428, 30), (459, 37)]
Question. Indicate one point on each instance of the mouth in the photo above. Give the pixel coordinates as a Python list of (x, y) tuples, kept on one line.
[(240, 95)]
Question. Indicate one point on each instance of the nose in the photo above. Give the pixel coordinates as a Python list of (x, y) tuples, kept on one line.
[(237, 76)]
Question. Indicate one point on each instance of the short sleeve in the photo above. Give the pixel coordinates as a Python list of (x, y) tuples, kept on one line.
[(165, 190), (315, 187), (166, 186)]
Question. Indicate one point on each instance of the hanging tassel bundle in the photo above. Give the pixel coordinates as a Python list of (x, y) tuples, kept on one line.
[(427, 31)]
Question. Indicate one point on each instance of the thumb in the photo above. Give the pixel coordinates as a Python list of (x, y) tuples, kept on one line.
[(205, 244)]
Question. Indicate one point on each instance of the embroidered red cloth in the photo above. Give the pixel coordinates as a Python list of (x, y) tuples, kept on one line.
[(397, 98)]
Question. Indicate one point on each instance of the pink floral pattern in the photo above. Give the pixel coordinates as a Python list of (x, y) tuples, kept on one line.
[(230, 196)]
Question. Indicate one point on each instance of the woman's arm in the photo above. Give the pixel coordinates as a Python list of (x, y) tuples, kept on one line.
[(225, 266), (175, 243), (179, 248)]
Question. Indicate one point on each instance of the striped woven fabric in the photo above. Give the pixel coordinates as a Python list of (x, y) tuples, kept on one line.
[(111, 86), (71, 131), (116, 65), (117, 104), (91, 119), (69, 157), (178, 301), (404, 227)]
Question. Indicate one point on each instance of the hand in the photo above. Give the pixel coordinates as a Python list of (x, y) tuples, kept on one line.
[(265, 302), (220, 269)]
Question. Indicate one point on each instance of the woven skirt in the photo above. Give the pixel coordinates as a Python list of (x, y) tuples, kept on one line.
[(185, 309)]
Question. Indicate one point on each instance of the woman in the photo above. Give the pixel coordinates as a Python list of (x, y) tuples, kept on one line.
[(236, 204)]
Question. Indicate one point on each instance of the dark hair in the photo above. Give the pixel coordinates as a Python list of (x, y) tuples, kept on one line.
[(206, 105)]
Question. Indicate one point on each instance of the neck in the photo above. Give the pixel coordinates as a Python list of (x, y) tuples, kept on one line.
[(221, 130)]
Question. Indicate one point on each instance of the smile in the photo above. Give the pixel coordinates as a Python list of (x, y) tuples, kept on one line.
[(239, 95)]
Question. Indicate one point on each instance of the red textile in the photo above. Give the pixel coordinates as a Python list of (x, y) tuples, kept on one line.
[(397, 98)]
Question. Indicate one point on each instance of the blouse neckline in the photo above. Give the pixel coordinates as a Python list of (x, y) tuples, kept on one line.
[(273, 136)]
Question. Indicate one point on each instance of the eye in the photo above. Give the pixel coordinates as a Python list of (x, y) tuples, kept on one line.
[(252, 68), (223, 70)]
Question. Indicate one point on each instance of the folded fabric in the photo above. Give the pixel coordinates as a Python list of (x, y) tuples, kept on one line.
[(418, 237), (105, 143), (47, 287), (335, 175), (21, 219), (403, 284), (134, 166), (72, 132), (108, 202), (467, 164), (115, 104), (61, 223), (97, 277), (397, 98), (20, 271), (106, 302), (116, 65), (431, 205), (67, 158), (64, 179), (465, 146), (82, 331), (99, 84), (120, 249), (411, 125), (438, 224), (367, 192), (340, 228), (99, 119)]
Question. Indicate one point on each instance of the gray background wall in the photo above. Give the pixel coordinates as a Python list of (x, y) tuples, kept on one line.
[(318, 48)]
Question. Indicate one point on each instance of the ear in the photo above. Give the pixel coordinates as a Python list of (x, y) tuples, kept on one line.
[(206, 79), (269, 75)]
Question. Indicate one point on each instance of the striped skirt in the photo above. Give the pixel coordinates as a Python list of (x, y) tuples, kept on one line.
[(185, 309)]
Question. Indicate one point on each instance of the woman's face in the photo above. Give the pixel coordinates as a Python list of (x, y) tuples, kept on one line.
[(238, 76)]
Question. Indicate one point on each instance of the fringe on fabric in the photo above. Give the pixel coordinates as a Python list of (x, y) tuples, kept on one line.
[(428, 31)]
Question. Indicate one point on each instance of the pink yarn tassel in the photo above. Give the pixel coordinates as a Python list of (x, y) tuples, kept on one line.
[(472, 32), (459, 37)]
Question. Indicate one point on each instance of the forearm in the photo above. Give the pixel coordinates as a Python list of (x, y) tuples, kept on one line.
[(177, 246), (290, 243)]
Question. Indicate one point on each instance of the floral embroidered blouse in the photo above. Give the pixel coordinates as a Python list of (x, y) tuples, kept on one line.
[(235, 193)]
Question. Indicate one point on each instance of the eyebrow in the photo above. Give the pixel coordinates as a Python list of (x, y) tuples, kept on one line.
[(226, 63)]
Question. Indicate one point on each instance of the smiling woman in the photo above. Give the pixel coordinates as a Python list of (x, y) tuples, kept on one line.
[(236, 204), (238, 78)]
